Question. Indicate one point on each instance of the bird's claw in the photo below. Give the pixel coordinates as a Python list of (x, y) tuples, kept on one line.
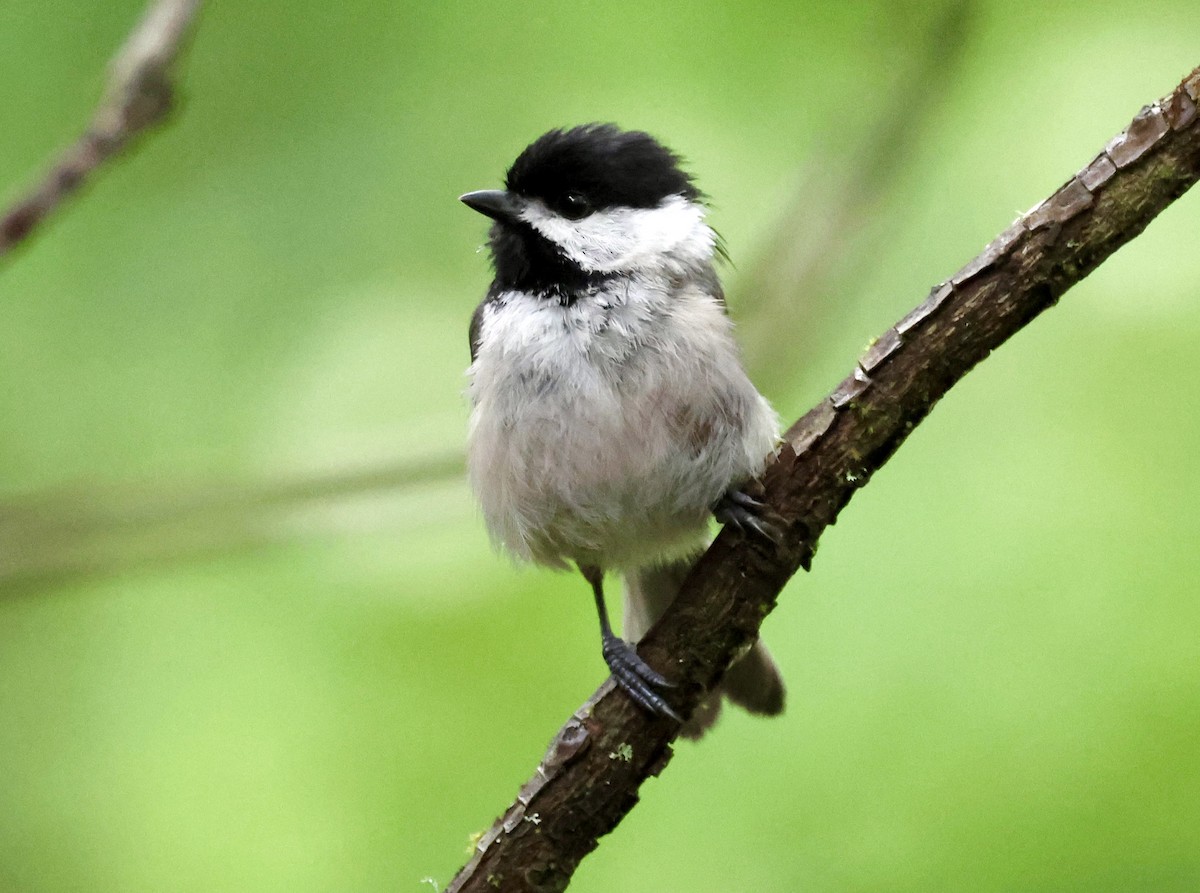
[(741, 510), (639, 680)]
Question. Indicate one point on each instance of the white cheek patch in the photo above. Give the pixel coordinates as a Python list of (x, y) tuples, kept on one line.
[(629, 239)]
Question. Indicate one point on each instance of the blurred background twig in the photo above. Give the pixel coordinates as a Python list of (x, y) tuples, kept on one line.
[(808, 269), (90, 531), (139, 95)]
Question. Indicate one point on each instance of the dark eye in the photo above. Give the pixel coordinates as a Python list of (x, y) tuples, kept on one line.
[(576, 205)]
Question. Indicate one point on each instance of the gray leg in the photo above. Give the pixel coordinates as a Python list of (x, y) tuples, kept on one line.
[(639, 680)]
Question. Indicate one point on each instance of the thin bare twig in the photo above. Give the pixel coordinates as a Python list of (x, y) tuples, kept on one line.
[(590, 776), (139, 95)]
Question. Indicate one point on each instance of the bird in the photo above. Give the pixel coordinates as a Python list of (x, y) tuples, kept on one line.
[(611, 414)]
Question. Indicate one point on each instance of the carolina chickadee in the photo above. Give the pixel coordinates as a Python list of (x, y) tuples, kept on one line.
[(610, 410)]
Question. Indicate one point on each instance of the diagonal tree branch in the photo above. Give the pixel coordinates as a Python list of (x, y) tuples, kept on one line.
[(591, 773), (139, 95)]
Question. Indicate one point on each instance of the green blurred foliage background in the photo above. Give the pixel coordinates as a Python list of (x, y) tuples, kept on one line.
[(252, 635)]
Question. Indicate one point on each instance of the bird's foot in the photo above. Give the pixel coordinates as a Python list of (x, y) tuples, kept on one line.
[(640, 681), (741, 510)]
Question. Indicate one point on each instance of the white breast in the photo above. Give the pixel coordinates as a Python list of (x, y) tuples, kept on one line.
[(603, 432)]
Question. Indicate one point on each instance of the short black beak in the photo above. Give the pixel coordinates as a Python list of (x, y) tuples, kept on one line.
[(495, 203)]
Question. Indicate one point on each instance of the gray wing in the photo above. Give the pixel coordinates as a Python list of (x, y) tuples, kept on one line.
[(711, 283), (476, 330)]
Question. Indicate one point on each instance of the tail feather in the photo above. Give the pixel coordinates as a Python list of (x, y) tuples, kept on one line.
[(753, 682)]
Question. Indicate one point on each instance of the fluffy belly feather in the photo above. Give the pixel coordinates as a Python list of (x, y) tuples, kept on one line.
[(612, 458), (578, 483)]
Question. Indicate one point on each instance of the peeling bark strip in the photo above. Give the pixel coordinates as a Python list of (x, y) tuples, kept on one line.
[(139, 95), (590, 776)]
